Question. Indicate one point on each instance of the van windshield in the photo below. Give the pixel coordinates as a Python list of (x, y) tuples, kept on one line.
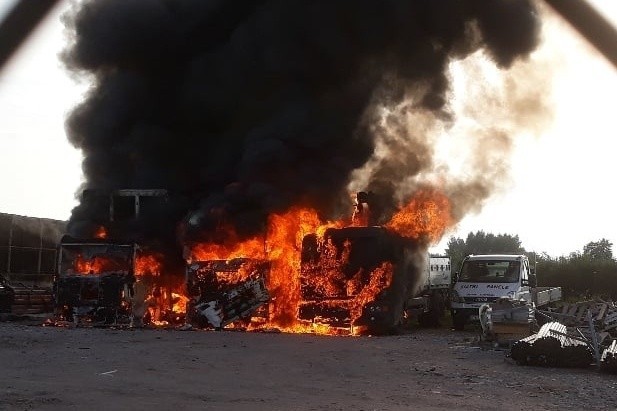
[(490, 271)]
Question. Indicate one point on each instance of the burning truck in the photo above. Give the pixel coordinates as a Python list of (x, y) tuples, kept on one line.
[(337, 279), (101, 281), (302, 275), (374, 282), (119, 280), (94, 280)]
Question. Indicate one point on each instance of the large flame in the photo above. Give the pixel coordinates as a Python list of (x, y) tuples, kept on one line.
[(148, 264), (281, 246), (426, 216)]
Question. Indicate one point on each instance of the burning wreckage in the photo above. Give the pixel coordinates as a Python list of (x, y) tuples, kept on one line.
[(94, 280), (348, 279), (100, 281), (265, 116), (225, 291)]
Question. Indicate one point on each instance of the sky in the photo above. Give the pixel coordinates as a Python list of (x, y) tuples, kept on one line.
[(560, 195)]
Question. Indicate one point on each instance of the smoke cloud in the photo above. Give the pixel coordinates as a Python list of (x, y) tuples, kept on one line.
[(244, 108)]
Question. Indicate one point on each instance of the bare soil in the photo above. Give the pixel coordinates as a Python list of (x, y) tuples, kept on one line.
[(51, 368)]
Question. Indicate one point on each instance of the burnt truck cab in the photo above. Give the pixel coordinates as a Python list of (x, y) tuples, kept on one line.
[(344, 283), (94, 280)]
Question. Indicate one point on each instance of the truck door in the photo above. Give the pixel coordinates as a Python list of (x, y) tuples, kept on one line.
[(525, 291)]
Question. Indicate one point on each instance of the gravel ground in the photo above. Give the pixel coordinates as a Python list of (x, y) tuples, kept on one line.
[(50, 368)]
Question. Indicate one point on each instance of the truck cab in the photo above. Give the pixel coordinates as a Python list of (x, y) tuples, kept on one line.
[(484, 279)]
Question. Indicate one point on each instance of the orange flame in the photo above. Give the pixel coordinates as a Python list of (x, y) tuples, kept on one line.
[(148, 264), (96, 265), (101, 232), (426, 216)]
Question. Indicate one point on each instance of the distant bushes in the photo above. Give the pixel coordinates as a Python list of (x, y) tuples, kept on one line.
[(580, 277)]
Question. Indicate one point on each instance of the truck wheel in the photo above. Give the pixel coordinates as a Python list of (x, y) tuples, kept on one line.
[(429, 319), (436, 309), (458, 321)]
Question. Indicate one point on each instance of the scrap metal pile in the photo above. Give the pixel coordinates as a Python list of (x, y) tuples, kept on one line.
[(552, 347), (224, 291), (579, 334), (608, 363), (604, 316)]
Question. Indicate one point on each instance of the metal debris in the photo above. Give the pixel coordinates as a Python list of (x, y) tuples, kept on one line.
[(552, 346)]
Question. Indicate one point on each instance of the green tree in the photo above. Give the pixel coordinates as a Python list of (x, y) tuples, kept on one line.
[(599, 250), (582, 275), (482, 243)]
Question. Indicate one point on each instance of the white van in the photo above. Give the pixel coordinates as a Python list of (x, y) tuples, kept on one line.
[(485, 278)]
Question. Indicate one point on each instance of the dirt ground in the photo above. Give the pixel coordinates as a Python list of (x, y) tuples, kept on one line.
[(51, 368)]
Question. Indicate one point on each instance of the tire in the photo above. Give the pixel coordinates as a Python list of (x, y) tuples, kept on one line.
[(427, 320), (458, 321), (437, 307)]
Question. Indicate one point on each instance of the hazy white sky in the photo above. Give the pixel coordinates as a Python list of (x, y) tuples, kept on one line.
[(561, 193)]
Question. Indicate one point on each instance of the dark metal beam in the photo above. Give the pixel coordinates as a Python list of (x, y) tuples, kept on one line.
[(591, 24), (19, 23)]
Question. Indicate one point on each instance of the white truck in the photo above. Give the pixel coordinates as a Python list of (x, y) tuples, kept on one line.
[(484, 279), (429, 304)]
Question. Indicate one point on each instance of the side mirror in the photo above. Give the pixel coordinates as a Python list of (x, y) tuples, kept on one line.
[(533, 280), (455, 277)]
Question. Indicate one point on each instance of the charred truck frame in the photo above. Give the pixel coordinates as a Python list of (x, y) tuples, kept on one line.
[(366, 259), (94, 282), (355, 254), (96, 276)]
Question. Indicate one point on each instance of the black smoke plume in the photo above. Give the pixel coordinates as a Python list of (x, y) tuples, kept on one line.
[(243, 108)]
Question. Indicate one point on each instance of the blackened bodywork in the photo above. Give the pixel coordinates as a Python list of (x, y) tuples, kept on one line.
[(94, 281)]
